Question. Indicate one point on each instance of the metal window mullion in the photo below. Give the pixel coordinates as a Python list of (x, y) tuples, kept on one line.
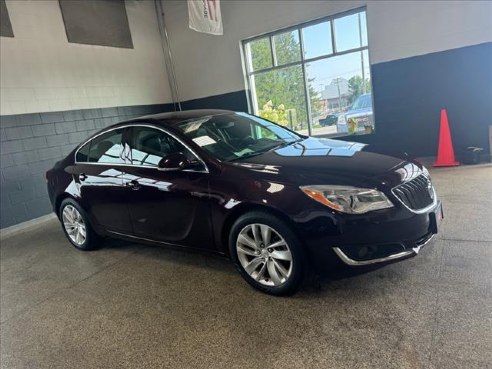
[(333, 41), (292, 64), (306, 89), (272, 51), (249, 58), (361, 57), (252, 92), (322, 57), (246, 51), (327, 56)]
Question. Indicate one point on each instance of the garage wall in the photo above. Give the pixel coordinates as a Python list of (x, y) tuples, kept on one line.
[(41, 71), (54, 94), (425, 55)]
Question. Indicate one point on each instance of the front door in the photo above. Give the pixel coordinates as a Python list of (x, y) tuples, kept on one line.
[(171, 207)]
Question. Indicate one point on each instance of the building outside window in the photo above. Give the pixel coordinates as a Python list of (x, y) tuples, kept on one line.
[(313, 78)]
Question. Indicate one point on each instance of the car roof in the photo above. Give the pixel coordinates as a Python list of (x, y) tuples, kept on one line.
[(175, 117)]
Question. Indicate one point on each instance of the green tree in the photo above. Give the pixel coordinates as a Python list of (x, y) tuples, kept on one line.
[(282, 86), (357, 87), (274, 113)]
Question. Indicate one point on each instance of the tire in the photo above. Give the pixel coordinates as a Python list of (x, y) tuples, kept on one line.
[(266, 265), (74, 220)]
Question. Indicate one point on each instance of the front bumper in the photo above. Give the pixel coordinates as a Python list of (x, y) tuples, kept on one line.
[(384, 259), (360, 255), (381, 237)]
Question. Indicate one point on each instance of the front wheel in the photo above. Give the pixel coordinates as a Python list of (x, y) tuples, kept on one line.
[(267, 254)]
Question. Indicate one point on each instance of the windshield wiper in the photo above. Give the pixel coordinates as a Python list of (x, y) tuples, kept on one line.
[(250, 155)]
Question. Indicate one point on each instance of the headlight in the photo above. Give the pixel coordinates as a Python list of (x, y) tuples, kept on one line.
[(350, 200)]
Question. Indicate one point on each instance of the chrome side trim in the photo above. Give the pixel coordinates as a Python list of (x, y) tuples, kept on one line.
[(145, 239), (140, 166), (347, 260)]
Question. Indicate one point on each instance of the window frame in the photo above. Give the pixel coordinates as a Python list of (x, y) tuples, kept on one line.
[(126, 128), (249, 73)]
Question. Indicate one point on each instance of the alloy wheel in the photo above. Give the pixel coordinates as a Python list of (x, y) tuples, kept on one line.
[(74, 225), (264, 254)]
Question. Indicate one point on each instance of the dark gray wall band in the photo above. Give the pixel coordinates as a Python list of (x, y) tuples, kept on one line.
[(410, 93), (31, 143)]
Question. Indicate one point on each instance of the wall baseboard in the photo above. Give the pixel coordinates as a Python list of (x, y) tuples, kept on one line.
[(25, 226)]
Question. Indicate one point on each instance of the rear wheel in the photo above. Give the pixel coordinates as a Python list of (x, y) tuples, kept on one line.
[(267, 253), (77, 227)]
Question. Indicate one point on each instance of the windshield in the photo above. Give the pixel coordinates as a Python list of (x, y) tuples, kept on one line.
[(362, 102), (236, 136)]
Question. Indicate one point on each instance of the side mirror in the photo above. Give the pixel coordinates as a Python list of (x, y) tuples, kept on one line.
[(174, 162)]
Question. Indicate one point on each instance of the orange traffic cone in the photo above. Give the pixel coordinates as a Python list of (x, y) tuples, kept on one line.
[(445, 153)]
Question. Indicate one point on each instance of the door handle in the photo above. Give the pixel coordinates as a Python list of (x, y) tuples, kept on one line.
[(134, 185), (82, 177)]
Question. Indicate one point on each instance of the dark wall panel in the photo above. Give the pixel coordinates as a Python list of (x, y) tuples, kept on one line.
[(5, 25), (232, 101), (410, 93), (101, 22)]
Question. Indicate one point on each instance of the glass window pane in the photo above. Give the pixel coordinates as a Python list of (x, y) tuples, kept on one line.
[(151, 145), (107, 148), (280, 97), (317, 40), (347, 34), (363, 28), (259, 54), (287, 47), (340, 101)]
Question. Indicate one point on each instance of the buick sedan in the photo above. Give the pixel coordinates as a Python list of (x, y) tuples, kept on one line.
[(272, 200)]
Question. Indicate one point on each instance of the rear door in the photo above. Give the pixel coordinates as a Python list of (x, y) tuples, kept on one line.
[(171, 207), (98, 172)]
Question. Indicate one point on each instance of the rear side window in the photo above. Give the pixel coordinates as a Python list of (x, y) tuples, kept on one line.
[(106, 148), (83, 153)]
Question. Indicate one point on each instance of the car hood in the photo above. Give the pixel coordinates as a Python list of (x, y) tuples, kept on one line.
[(327, 161)]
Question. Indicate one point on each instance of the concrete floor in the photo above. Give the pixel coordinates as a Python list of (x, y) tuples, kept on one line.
[(135, 306)]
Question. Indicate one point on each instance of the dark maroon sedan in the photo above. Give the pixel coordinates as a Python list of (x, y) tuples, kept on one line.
[(272, 200)]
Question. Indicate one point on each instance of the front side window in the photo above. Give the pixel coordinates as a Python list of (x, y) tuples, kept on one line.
[(308, 77), (230, 137), (105, 148), (149, 145)]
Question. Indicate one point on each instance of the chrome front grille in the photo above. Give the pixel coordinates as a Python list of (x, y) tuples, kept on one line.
[(416, 194)]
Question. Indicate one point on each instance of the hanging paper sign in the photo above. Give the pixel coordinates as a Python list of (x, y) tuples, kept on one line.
[(205, 16)]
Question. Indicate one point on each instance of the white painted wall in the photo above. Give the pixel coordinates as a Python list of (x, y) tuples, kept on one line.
[(41, 71), (210, 65)]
